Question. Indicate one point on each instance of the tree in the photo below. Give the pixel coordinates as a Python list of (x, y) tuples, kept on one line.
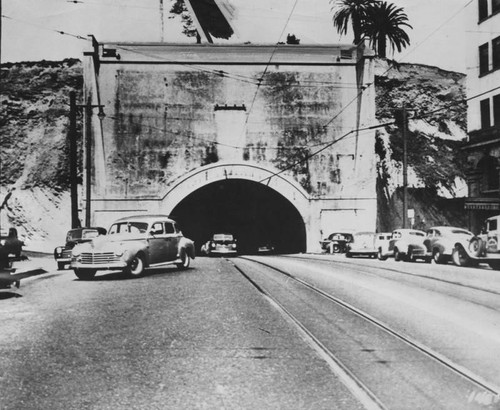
[(209, 16), (378, 20), (179, 8), (354, 11), (384, 23)]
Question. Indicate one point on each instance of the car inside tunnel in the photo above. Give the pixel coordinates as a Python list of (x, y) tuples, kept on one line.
[(255, 214)]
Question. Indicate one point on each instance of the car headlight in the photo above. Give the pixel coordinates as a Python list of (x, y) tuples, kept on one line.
[(2, 242), (76, 252), (59, 249), (119, 252)]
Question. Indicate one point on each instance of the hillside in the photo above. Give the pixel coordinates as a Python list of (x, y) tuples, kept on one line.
[(437, 127), (34, 178)]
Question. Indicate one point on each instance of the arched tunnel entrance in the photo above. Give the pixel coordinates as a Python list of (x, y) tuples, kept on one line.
[(254, 213)]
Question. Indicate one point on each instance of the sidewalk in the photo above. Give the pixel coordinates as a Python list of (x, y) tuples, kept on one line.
[(35, 264)]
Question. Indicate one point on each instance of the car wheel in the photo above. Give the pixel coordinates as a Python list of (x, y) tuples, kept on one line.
[(85, 274), (136, 266), (61, 265), (186, 260), (381, 256), (437, 256), (409, 256), (475, 246), (335, 248), (460, 257), (397, 255)]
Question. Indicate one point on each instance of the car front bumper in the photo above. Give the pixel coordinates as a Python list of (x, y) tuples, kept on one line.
[(100, 261)]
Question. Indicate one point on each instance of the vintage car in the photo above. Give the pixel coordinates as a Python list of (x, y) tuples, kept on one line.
[(406, 244), (133, 244), (222, 244), (362, 244), (11, 244), (382, 240), (482, 248), (62, 254), (441, 241), (336, 242)]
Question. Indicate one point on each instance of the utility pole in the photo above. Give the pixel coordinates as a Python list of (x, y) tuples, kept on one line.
[(405, 166), (73, 158), (88, 160), (75, 221), (162, 28)]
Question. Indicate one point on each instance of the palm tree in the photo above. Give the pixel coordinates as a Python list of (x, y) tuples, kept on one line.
[(384, 22), (354, 11)]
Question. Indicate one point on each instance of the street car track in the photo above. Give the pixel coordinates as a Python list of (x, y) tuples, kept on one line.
[(441, 359), (401, 272), (357, 388)]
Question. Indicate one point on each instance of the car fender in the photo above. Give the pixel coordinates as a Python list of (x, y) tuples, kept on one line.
[(402, 246), (444, 247), (188, 246), (132, 248)]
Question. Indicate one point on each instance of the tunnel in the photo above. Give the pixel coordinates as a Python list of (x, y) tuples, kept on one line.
[(254, 213)]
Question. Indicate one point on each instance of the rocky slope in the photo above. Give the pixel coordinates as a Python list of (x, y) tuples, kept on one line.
[(435, 100), (34, 178)]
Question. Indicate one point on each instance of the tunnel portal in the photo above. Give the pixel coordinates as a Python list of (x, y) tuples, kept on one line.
[(254, 213)]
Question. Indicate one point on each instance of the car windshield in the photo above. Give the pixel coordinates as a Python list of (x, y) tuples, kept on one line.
[(128, 227), (82, 234), (417, 233), (223, 237), (461, 232)]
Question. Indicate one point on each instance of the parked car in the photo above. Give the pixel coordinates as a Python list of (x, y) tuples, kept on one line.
[(442, 240), (362, 243), (62, 254), (222, 244), (336, 242), (482, 248), (11, 244), (382, 244), (406, 244), (133, 244)]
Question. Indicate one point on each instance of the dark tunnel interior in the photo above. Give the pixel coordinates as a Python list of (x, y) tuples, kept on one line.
[(254, 213)]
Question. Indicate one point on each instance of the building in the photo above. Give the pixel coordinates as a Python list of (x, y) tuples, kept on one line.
[(483, 113), (268, 142)]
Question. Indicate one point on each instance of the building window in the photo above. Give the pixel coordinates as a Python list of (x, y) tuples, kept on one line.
[(483, 9), (495, 6), (485, 114), (488, 166), (496, 110), (496, 53), (484, 59)]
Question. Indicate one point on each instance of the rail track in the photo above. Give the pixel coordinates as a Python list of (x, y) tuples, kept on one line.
[(365, 388)]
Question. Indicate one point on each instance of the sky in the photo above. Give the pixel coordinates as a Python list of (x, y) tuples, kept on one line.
[(30, 27)]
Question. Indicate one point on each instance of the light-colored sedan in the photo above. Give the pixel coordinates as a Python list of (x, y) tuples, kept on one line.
[(362, 244), (133, 244), (407, 245), (442, 240)]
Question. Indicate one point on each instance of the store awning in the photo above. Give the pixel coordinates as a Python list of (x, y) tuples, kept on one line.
[(483, 204)]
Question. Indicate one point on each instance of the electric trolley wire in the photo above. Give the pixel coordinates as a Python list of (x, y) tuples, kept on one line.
[(322, 149), (65, 33), (270, 59)]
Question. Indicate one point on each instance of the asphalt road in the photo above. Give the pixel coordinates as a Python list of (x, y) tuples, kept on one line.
[(217, 337)]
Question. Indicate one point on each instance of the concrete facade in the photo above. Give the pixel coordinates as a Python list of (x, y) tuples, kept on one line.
[(483, 113), (180, 117)]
